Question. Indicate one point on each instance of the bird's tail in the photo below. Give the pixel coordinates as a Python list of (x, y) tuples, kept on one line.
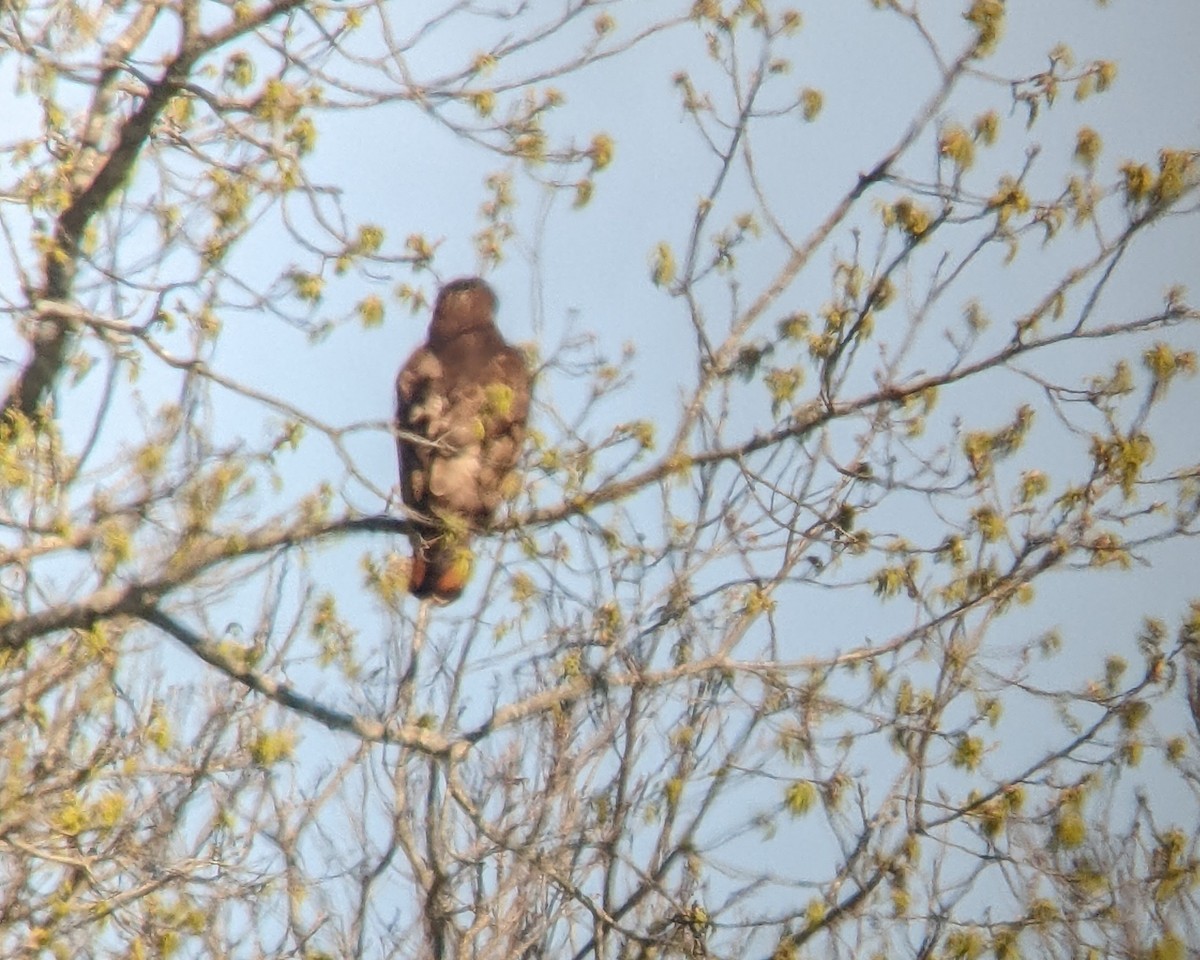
[(441, 567)]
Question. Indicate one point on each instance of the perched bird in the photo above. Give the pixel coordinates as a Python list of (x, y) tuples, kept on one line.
[(462, 400)]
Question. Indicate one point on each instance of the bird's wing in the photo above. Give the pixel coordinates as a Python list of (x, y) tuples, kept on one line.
[(421, 418)]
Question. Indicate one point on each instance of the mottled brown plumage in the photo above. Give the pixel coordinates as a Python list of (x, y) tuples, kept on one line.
[(462, 400)]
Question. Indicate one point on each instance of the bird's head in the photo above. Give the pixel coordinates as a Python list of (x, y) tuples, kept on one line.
[(462, 305)]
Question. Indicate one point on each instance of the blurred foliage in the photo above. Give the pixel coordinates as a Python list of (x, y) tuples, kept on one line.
[(781, 671)]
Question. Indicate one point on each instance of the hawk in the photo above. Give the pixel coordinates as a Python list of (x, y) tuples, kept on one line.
[(462, 400)]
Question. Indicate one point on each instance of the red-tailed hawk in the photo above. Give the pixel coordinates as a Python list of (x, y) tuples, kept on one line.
[(461, 404)]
